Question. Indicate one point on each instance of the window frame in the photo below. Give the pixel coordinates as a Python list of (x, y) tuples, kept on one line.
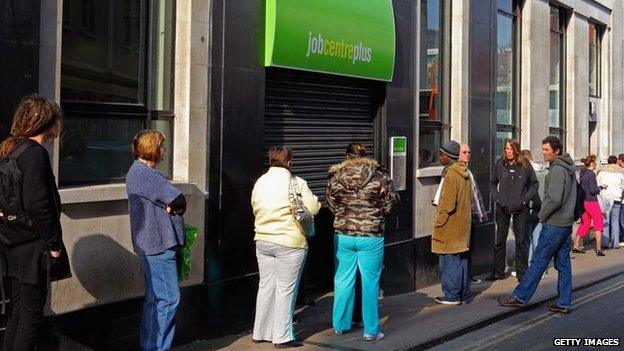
[(599, 30), (562, 32), (442, 125), (140, 110), (516, 16)]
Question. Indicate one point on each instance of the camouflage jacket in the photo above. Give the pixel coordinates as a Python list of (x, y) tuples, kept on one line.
[(359, 194)]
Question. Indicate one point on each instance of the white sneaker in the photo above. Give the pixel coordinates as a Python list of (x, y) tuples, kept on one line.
[(622, 244), (513, 273), (374, 337)]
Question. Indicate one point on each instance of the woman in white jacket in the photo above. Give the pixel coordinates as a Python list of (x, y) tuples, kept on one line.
[(281, 248), (610, 198)]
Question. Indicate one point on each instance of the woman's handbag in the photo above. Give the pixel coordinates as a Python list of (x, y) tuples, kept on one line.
[(303, 217)]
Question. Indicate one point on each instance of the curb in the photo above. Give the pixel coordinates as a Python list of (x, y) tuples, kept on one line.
[(435, 341)]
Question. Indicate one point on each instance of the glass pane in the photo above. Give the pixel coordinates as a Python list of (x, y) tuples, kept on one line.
[(162, 55), (504, 70), (593, 60), (103, 50), (166, 127), (505, 5), (429, 143), (96, 149), (554, 18), (554, 90), (430, 60), (500, 142)]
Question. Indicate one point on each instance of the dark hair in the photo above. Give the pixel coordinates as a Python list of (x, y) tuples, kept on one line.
[(612, 160), (621, 157), (554, 142), (34, 115), (587, 161), (518, 155), (356, 150), (280, 157)]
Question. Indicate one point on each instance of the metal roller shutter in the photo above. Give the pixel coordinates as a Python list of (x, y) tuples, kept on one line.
[(317, 115)]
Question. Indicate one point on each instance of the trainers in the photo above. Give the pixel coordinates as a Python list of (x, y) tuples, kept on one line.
[(557, 309), (374, 337), (443, 301), (474, 280), (513, 273), (338, 332), (510, 301)]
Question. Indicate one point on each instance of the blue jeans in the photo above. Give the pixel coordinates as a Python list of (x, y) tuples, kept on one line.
[(553, 242), (355, 253), (454, 277), (611, 234), (162, 296)]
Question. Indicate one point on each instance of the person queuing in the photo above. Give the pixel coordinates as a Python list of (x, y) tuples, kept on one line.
[(35, 122), (612, 177), (513, 185), (157, 227), (360, 194), (281, 249), (557, 217), (451, 227), (479, 212), (592, 215), (533, 227)]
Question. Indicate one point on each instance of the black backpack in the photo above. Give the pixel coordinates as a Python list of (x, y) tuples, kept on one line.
[(579, 206), (16, 226)]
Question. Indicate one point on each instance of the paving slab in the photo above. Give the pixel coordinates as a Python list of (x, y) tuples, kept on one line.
[(414, 321)]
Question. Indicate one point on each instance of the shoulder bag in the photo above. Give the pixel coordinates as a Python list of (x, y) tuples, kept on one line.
[(302, 216)]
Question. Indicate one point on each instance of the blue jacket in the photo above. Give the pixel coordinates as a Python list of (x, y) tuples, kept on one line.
[(153, 229)]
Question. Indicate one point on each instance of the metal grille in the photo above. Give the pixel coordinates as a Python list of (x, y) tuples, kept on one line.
[(316, 116)]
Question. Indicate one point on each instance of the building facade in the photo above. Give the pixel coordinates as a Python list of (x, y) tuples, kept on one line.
[(200, 71)]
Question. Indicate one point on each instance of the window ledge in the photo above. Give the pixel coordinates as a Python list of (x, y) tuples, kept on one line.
[(109, 192), (433, 171)]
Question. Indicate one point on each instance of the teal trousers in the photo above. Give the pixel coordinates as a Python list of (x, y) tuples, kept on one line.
[(355, 253)]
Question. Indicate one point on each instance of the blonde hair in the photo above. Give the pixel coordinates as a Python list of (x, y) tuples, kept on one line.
[(146, 145), (33, 116)]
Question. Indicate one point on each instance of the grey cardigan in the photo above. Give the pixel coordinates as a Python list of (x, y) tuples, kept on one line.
[(153, 229)]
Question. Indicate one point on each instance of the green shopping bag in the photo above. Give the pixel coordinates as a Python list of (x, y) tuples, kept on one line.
[(184, 253)]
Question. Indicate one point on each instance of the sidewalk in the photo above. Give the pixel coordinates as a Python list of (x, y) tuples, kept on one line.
[(414, 321)]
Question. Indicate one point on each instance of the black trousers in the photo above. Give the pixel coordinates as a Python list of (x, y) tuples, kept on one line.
[(25, 316), (500, 245)]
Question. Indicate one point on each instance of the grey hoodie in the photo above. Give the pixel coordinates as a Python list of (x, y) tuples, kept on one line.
[(559, 193)]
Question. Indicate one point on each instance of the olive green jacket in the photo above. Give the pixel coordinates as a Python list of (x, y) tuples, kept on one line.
[(451, 224)]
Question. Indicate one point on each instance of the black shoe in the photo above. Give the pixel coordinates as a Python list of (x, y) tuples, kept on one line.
[(287, 345), (557, 309), (510, 301), (599, 253), (575, 250), (493, 277)]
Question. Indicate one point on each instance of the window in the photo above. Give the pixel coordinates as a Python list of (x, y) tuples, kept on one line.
[(556, 112), (595, 37), (432, 105), (506, 72), (115, 83)]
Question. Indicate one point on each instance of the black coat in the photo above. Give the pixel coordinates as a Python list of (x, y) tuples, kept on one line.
[(30, 262), (512, 186)]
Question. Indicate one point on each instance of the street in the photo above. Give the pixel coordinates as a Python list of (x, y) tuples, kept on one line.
[(597, 313)]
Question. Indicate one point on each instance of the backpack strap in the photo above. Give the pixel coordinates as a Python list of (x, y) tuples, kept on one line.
[(20, 149)]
